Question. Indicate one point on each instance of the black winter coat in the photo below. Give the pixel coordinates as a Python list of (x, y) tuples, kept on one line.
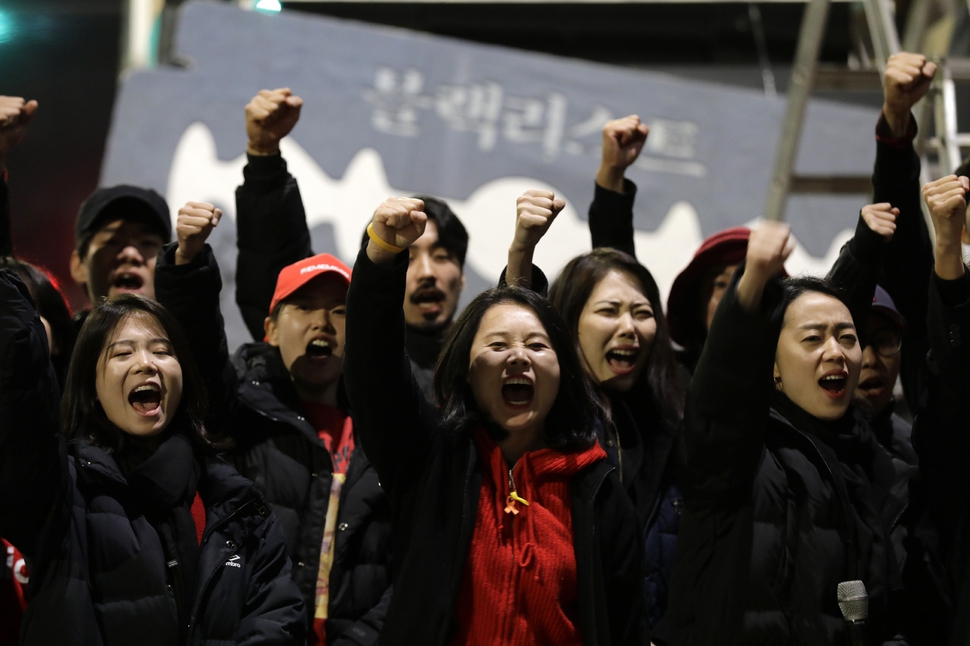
[(433, 480), (98, 566), (280, 451), (941, 436), (770, 523)]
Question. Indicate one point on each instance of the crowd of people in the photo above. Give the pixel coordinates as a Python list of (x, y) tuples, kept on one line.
[(566, 463)]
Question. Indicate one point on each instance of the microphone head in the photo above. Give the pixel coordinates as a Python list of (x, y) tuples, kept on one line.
[(854, 600)]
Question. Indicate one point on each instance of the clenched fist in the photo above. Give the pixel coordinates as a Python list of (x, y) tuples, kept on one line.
[(768, 249), (947, 203), (270, 116), (15, 115), (196, 220), (623, 140), (534, 212), (398, 222), (907, 80), (881, 218)]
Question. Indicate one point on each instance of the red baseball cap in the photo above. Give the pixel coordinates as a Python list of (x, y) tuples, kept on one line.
[(293, 277)]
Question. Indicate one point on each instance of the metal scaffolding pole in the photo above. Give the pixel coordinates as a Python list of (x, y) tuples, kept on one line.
[(803, 78)]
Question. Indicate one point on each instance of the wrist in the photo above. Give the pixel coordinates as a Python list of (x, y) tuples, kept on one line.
[(611, 178), (379, 256), (897, 120), (262, 149), (183, 257)]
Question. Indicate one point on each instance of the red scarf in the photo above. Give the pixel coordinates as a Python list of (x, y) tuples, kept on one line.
[(519, 580)]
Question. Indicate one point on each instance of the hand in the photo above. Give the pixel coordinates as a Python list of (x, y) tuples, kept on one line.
[(907, 80), (946, 200), (534, 213), (881, 218), (270, 116), (768, 249), (15, 115), (623, 141), (196, 220), (398, 221)]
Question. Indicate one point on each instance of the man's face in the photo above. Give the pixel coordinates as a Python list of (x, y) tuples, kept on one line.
[(434, 283), (880, 364), (120, 258)]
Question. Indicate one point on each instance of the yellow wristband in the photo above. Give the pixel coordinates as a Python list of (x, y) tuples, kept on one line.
[(386, 246)]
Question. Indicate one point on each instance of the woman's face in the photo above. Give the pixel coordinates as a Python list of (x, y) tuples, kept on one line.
[(818, 358), (616, 331), (716, 288), (513, 370), (139, 381)]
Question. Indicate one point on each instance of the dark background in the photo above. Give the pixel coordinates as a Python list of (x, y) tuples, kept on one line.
[(65, 54)]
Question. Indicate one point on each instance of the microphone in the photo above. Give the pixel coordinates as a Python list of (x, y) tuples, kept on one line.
[(854, 604)]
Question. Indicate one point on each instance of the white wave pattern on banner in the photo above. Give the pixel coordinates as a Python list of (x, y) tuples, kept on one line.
[(488, 213)]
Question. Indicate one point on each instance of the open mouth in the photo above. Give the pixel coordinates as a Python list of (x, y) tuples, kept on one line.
[(428, 300), (128, 282), (872, 383), (622, 360), (319, 349), (518, 392), (834, 384), (146, 399)]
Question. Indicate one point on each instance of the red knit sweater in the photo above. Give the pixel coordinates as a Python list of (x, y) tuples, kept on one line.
[(519, 581)]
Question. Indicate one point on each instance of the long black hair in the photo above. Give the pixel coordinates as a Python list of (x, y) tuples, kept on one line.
[(573, 288), (52, 305), (570, 424), (82, 416)]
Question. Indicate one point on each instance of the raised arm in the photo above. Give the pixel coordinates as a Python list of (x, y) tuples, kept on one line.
[(611, 213), (33, 461), (392, 418), (187, 283), (907, 267), (941, 434), (535, 212), (728, 401), (15, 115), (857, 268), (271, 223)]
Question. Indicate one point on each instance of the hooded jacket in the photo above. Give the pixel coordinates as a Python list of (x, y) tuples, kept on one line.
[(280, 451), (433, 479), (85, 527)]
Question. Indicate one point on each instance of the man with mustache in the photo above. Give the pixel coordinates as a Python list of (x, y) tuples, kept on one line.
[(272, 233)]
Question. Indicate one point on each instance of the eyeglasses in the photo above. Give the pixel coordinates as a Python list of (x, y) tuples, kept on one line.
[(886, 343)]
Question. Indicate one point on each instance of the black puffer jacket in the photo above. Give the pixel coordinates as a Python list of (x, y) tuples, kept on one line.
[(98, 566), (777, 514), (433, 480), (280, 451)]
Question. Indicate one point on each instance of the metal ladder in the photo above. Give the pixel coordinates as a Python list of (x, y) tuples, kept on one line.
[(938, 107)]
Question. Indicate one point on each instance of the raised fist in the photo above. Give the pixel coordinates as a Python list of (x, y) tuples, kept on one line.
[(768, 249), (623, 140), (907, 80), (881, 218), (196, 220), (534, 212), (398, 222), (270, 116), (946, 200), (15, 115)]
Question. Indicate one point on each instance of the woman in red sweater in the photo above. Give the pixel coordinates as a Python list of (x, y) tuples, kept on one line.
[(511, 526)]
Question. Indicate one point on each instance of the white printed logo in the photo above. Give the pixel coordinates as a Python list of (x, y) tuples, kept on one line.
[(232, 561)]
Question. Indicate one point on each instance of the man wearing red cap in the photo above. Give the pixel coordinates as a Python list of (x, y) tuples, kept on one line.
[(281, 401), (272, 230)]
